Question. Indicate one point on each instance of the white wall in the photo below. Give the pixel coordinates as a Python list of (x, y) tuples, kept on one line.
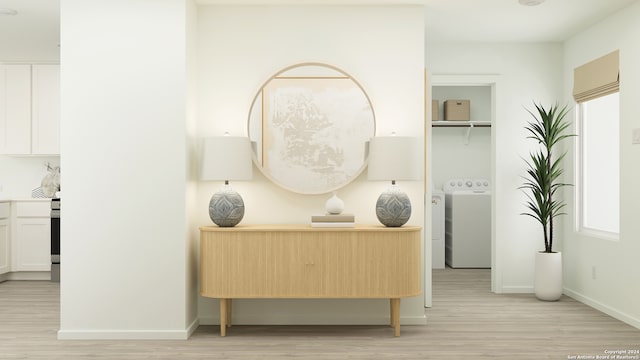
[(522, 73), (615, 289), (192, 245), (240, 47), (126, 267)]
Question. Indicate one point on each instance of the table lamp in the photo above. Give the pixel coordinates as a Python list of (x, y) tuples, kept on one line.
[(226, 158), (394, 158)]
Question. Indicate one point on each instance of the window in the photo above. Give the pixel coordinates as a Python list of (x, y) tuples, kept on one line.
[(598, 185), (596, 90)]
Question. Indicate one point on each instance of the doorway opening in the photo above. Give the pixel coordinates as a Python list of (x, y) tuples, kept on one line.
[(460, 156)]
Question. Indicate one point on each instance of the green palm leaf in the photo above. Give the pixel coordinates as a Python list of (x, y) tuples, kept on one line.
[(541, 183)]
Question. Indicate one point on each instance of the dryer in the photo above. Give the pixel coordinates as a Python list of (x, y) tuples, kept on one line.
[(468, 223)]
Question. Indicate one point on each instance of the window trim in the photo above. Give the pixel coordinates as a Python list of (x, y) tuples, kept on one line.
[(580, 228)]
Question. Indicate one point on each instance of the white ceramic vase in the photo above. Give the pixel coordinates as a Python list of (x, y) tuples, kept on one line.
[(548, 276), (334, 205)]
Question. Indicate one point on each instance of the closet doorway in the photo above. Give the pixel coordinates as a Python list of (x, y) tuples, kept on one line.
[(461, 156)]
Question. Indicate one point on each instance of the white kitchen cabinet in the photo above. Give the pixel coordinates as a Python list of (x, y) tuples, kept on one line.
[(31, 241), (15, 109), (5, 238), (45, 109), (30, 109), (5, 246)]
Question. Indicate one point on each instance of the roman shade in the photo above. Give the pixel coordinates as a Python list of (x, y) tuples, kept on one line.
[(597, 78)]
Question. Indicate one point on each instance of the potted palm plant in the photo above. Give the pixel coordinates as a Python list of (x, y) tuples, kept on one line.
[(542, 182)]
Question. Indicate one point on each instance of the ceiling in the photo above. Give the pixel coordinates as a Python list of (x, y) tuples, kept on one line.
[(508, 21), (37, 22), (34, 30)]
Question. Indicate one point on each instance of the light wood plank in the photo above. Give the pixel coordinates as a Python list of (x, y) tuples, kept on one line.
[(467, 321)]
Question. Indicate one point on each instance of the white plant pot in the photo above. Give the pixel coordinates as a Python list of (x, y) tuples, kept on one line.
[(548, 276)]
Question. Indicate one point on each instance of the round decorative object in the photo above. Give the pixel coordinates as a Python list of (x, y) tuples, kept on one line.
[(334, 205), (309, 124), (226, 207), (393, 208)]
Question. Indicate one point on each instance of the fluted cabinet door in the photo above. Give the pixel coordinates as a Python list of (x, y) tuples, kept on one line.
[(303, 262)]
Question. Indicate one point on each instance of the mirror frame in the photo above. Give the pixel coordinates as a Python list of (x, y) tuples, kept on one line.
[(258, 95)]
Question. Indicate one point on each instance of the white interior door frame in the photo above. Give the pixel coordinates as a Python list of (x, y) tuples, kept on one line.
[(492, 80)]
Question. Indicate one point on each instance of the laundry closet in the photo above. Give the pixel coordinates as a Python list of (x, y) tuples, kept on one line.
[(462, 175)]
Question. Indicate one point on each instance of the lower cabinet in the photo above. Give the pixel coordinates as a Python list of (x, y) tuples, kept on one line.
[(31, 241), (298, 261), (5, 246), (32, 245), (303, 262)]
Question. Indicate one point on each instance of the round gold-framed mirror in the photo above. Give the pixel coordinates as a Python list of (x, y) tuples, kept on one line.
[(309, 125)]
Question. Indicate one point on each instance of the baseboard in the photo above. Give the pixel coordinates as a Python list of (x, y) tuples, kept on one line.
[(635, 322), (26, 275), (128, 334), (314, 320), (193, 327)]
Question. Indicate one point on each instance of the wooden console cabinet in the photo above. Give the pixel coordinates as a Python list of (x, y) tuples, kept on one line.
[(300, 261)]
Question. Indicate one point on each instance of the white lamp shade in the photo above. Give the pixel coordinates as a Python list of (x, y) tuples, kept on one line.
[(394, 158), (226, 158)]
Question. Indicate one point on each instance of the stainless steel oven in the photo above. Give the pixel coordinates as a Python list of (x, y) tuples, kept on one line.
[(55, 239)]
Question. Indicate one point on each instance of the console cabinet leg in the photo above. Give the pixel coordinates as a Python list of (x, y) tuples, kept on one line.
[(392, 322), (224, 315), (395, 315)]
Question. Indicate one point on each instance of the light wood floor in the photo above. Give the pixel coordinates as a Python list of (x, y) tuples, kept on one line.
[(467, 321)]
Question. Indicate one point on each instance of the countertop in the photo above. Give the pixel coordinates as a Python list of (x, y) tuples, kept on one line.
[(25, 199)]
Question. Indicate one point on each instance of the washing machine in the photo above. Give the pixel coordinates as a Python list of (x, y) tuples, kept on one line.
[(468, 223), (437, 229)]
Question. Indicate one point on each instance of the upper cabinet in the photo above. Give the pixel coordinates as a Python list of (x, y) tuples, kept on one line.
[(45, 109), (15, 109), (30, 109)]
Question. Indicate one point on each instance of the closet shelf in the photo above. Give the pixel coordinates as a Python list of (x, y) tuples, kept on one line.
[(462, 124), (444, 123)]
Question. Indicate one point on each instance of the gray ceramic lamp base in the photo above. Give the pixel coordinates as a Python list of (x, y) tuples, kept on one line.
[(226, 207), (393, 207)]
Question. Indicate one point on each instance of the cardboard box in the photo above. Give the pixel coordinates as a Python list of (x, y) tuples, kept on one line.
[(435, 109), (457, 110)]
